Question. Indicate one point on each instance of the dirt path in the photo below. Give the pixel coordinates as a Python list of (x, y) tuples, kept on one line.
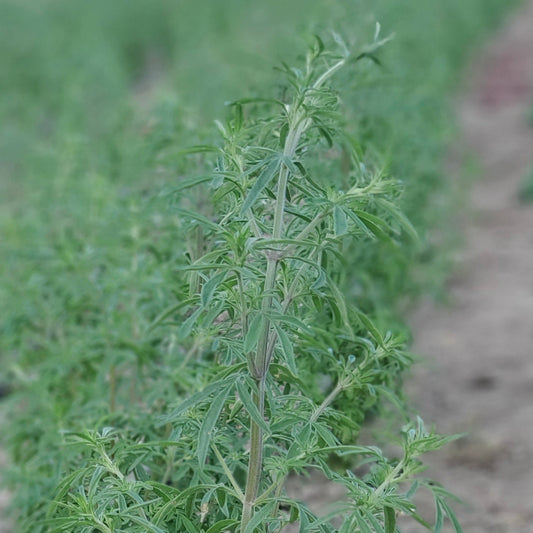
[(479, 350)]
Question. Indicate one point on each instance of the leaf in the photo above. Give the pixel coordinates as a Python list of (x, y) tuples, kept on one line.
[(211, 417), (246, 398), (360, 224), (252, 335), (451, 515), (210, 287), (361, 522), (287, 348), (390, 519), (144, 523), (327, 436), (189, 526), (339, 300), (222, 525), (260, 517), (260, 183), (194, 216), (400, 218), (378, 528), (327, 136), (304, 521), (439, 516), (340, 224), (238, 116), (255, 100), (283, 134), (379, 228), (186, 327), (199, 149), (369, 325), (192, 182), (289, 320), (195, 399), (320, 43)]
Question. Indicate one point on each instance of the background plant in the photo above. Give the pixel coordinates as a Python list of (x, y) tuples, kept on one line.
[(90, 138)]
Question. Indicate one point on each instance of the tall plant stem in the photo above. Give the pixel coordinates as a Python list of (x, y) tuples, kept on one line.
[(298, 124), (262, 361), (255, 464)]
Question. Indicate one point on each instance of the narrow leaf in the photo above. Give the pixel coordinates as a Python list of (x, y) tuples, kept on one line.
[(361, 522), (370, 326), (195, 399), (210, 287), (211, 417), (287, 348), (260, 517), (252, 336), (439, 516), (222, 525), (192, 182), (390, 519), (260, 183), (451, 515), (340, 224), (250, 406)]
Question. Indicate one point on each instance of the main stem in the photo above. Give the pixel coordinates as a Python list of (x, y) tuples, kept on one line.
[(263, 357), (261, 363)]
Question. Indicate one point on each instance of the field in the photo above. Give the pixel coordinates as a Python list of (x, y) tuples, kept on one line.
[(191, 314)]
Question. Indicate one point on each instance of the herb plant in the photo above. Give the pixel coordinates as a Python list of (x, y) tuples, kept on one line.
[(267, 344)]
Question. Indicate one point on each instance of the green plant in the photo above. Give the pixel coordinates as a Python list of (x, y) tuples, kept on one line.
[(265, 321)]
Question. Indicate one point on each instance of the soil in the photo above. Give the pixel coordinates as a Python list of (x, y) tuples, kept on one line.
[(477, 375)]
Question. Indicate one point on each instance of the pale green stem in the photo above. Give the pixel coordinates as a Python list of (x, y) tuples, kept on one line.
[(327, 401), (322, 79), (260, 365), (228, 473), (255, 463), (388, 480)]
